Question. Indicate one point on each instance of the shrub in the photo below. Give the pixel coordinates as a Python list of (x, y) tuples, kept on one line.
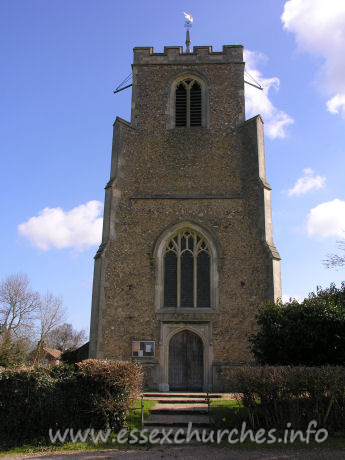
[(274, 396), (310, 333), (92, 394), (12, 352)]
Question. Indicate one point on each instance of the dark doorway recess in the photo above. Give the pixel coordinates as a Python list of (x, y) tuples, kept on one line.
[(186, 362)]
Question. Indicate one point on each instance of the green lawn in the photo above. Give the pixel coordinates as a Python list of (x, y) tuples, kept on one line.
[(133, 419)]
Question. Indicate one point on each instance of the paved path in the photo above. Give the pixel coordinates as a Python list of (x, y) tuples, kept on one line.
[(196, 453)]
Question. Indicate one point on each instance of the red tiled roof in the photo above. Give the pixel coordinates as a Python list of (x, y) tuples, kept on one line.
[(54, 353)]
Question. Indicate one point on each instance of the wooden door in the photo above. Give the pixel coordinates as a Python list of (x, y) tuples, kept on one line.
[(186, 362)]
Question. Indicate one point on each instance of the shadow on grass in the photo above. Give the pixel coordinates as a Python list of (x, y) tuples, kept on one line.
[(133, 421), (231, 415), (225, 414), (228, 414)]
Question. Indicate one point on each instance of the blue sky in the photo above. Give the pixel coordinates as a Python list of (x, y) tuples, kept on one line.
[(60, 62)]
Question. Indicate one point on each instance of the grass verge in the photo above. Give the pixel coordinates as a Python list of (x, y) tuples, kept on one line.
[(230, 415), (133, 420)]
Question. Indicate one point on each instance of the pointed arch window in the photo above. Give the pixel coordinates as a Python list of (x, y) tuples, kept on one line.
[(187, 268), (188, 103)]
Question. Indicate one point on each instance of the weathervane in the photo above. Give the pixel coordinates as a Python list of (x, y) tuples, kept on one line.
[(188, 23)]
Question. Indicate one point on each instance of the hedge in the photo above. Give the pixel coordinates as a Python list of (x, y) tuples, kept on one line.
[(92, 394), (308, 333), (276, 395)]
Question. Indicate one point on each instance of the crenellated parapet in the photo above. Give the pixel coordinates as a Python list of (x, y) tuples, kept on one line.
[(200, 54)]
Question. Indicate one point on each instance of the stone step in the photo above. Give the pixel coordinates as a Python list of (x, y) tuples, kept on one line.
[(181, 401), (173, 420), (176, 428), (185, 409), (150, 395), (195, 439)]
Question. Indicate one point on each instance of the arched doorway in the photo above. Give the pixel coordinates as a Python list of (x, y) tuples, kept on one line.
[(186, 362)]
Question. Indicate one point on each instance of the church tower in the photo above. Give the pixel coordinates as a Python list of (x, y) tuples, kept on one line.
[(187, 253)]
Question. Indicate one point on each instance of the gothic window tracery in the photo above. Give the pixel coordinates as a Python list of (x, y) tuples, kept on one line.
[(188, 103), (187, 271)]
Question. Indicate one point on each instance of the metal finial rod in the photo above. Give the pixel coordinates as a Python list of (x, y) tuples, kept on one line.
[(187, 42), (188, 25)]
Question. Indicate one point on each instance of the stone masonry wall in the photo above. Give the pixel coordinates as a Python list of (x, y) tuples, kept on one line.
[(164, 176)]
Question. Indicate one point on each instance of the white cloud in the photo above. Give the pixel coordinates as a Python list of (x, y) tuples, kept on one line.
[(337, 104), (306, 183), (276, 121), (327, 219), (287, 297), (78, 228), (319, 28)]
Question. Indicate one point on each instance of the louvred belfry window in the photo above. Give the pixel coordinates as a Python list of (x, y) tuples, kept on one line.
[(188, 104), (181, 105), (187, 271)]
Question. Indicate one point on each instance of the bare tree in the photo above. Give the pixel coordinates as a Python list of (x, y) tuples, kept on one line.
[(335, 260), (51, 314), (24, 314), (18, 305), (64, 337)]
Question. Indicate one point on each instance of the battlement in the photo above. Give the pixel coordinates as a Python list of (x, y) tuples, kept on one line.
[(176, 55)]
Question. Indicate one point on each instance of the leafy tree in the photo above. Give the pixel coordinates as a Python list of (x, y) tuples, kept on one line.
[(310, 333)]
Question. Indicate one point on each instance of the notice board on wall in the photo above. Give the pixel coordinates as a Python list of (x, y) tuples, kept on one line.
[(143, 349)]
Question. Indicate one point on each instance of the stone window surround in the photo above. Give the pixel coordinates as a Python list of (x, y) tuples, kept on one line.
[(196, 76), (158, 259)]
